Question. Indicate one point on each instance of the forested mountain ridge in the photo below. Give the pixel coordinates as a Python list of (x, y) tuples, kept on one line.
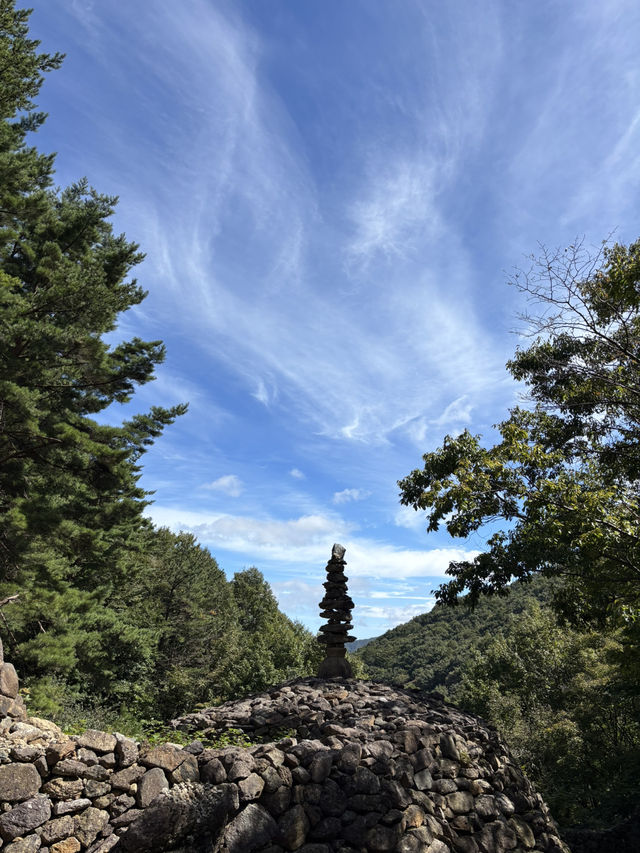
[(430, 651)]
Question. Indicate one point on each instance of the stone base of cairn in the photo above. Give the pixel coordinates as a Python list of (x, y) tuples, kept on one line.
[(336, 607)]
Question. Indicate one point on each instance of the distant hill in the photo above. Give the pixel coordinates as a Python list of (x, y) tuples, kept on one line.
[(358, 644), (429, 651)]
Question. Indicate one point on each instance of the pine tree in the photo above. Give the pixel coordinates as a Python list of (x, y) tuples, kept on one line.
[(70, 502)]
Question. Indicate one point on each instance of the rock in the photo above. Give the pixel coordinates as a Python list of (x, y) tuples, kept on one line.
[(18, 782), (184, 810), (150, 785), (321, 766), (9, 684), (69, 845), (103, 845), (24, 817), (126, 750), (292, 828), (252, 828), (250, 788), (187, 771), (460, 802), (96, 741), (56, 830), (213, 772), (88, 824), (30, 844), (57, 751), (381, 839), (63, 789), (166, 757), (123, 779), (71, 806)]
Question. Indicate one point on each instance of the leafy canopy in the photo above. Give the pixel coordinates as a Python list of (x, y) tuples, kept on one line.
[(564, 473)]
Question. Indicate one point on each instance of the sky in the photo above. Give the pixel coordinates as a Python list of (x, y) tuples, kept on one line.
[(332, 197)]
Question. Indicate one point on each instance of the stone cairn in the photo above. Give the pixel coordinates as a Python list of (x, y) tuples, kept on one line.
[(336, 607)]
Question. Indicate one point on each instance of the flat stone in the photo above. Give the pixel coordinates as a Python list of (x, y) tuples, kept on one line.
[(69, 845), (63, 789), (97, 741), (123, 779), (251, 787), (213, 772), (24, 817), (126, 750), (460, 802), (165, 756), (18, 782), (30, 844), (57, 751), (187, 771), (103, 845), (70, 806)]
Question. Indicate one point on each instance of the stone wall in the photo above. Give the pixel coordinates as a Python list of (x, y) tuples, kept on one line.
[(363, 767)]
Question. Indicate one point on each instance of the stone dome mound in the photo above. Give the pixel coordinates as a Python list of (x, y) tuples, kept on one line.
[(336, 766), (363, 767)]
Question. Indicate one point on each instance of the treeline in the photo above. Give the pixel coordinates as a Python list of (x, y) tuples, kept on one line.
[(101, 610)]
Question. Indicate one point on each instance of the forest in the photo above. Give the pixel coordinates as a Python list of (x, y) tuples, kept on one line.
[(111, 622), (103, 614)]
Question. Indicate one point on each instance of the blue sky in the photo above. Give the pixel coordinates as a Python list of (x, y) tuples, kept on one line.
[(331, 196)]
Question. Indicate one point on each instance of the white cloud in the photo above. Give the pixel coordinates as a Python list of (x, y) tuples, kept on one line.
[(297, 474), (306, 543), (347, 495), (229, 484)]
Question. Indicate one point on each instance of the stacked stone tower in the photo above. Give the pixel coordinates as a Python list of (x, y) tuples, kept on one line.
[(336, 607)]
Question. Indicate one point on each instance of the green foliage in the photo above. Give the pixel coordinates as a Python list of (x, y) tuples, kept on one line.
[(564, 474), (430, 652), (114, 621)]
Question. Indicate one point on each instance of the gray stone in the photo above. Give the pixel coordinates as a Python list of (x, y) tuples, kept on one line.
[(56, 830), (213, 772), (166, 757), (382, 839), (460, 802), (185, 809), (103, 845), (24, 817), (251, 787), (18, 782), (252, 828), (122, 780), (126, 750), (150, 785), (186, 771), (30, 844), (88, 824), (70, 806), (9, 684), (97, 741), (320, 767), (292, 828)]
